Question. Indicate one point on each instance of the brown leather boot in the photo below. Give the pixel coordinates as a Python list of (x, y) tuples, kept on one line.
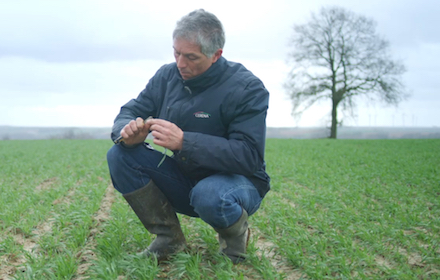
[(158, 217)]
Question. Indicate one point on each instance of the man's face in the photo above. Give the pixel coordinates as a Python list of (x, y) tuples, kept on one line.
[(191, 62)]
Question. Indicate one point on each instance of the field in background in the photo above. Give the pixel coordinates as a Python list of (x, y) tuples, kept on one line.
[(338, 209), (39, 133)]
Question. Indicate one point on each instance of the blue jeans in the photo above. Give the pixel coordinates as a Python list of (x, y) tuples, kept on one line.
[(218, 199)]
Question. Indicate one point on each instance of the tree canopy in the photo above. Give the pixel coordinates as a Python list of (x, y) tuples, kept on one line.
[(337, 55)]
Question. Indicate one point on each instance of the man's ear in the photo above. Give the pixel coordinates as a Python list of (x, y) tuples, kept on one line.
[(217, 55)]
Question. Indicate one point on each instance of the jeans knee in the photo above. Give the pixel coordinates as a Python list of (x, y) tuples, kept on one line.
[(113, 156), (112, 153), (202, 202)]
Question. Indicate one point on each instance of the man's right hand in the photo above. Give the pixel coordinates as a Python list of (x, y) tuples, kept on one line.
[(135, 132)]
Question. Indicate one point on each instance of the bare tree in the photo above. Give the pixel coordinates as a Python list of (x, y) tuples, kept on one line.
[(338, 56)]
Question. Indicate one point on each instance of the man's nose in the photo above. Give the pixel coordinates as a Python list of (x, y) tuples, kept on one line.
[(181, 62)]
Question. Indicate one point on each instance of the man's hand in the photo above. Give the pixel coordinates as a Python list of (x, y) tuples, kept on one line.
[(166, 134), (135, 132)]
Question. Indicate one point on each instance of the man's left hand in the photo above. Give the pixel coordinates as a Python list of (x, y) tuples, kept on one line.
[(166, 134)]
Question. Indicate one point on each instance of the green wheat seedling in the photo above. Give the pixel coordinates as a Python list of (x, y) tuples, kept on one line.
[(52, 205), (344, 209)]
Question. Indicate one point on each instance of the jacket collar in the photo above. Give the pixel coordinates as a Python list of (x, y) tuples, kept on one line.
[(208, 78)]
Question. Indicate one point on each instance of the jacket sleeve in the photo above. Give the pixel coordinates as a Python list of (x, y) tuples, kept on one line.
[(143, 106), (242, 150)]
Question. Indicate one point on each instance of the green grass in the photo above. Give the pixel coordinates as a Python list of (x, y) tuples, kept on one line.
[(344, 209)]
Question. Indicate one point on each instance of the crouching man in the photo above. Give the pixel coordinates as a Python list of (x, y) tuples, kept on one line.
[(211, 113)]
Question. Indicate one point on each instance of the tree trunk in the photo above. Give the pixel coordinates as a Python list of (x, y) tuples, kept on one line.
[(333, 130)]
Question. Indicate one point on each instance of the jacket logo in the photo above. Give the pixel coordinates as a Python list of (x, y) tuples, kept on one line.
[(202, 115)]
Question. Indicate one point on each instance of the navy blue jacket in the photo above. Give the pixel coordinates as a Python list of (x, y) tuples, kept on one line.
[(222, 113)]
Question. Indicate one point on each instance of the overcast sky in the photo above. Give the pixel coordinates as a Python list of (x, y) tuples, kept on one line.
[(75, 63)]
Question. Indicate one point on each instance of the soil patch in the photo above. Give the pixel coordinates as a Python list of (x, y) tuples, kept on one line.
[(46, 184), (270, 251), (87, 254)]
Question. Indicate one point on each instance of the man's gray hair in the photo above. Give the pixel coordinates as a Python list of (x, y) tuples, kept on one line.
[(202, 28)]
